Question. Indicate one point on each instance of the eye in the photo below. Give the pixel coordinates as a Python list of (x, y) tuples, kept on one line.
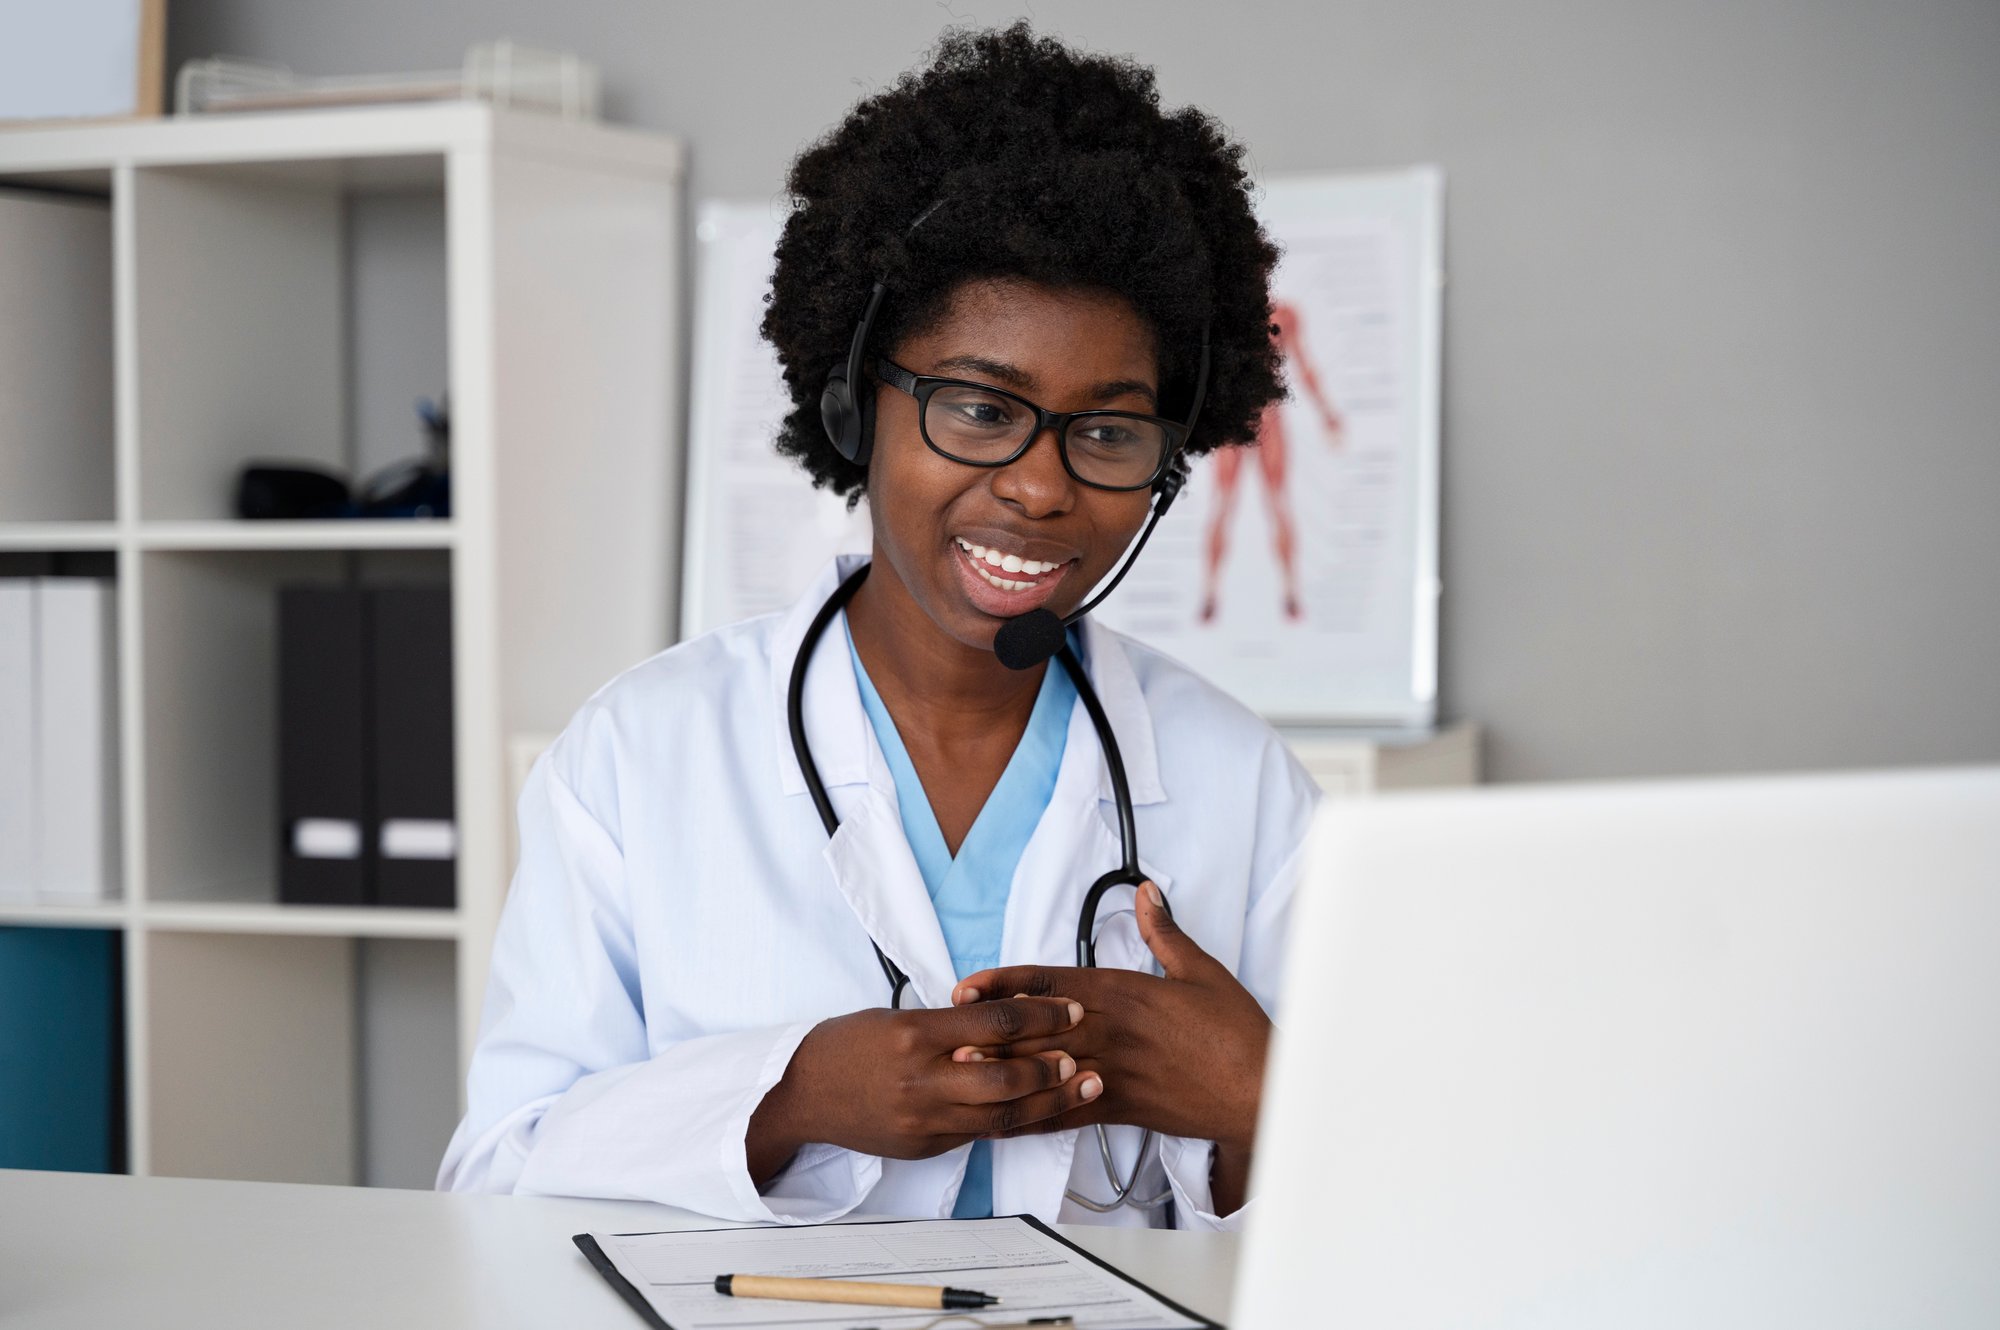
[(1109, 434), (968, 411), (980, 412)]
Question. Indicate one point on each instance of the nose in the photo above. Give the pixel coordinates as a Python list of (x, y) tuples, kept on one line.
[(1036, 484)]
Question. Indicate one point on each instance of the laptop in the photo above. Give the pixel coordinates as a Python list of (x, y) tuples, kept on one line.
[(1707, 1054)]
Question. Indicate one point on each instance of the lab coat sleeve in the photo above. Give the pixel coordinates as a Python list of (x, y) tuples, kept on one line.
[(567, 1097), (1259, 968)]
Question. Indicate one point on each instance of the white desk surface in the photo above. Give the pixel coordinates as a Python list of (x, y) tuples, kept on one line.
[(88, 1250)]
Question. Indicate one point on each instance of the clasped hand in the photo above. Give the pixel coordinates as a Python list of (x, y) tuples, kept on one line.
[(1029, 1049), (1183, 1055)]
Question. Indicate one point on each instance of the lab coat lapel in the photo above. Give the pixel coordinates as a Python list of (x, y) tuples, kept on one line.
[(877, 874), (868, 855)]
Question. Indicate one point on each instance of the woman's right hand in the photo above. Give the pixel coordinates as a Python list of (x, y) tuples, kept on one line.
[(884, 1082)]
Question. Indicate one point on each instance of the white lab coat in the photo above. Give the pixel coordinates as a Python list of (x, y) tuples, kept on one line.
[(680, 920)]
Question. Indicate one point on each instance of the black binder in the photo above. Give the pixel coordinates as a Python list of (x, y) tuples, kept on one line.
[(415, 833), (323, 804)]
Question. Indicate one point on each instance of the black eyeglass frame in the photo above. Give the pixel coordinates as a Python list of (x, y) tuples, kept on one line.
[(923, 386)]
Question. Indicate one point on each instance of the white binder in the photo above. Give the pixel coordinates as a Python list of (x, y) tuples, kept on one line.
[(17, 739), (76, 740)]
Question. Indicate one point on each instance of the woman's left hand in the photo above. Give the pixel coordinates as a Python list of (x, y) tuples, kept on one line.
[(1183, 1055)]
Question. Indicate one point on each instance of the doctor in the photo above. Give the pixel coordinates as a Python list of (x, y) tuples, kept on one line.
[(691, 993)]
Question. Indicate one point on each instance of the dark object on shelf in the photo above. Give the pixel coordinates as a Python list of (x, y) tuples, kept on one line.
[(417, 487), (282, 492), (62, 1049), (416, 845), (323, 737)]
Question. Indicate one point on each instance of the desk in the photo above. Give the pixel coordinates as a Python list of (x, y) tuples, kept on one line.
[(85, 1250)]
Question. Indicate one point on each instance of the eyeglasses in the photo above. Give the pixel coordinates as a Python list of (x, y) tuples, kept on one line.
[(981, 425)]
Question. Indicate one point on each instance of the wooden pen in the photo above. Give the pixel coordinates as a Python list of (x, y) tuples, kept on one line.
[(853, 1290)]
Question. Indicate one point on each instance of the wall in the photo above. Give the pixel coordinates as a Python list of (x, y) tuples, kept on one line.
[(1722, 323)]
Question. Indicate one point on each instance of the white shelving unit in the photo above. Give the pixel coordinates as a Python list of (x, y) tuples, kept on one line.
[(328, 1044)]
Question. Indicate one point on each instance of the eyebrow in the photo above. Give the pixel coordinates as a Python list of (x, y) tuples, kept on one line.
[(1020, 380)]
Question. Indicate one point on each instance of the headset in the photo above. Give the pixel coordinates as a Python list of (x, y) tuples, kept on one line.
[(848, 415)]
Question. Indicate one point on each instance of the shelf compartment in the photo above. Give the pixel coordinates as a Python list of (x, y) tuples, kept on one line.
[(284, 316), (209, 671), (240, 1085), (237, 296), (56, 358), (408, 1046)]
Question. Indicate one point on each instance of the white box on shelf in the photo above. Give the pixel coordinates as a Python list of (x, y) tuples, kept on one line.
[(17, 739), (76, 739), (1352, 764)]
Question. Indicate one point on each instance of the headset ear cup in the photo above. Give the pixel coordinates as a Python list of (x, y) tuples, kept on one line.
[(864, 427), (836, 415)]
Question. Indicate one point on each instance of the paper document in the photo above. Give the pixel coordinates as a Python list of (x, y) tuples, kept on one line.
[(1031, 1269)]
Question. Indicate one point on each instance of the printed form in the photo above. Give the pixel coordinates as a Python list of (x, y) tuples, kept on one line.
[(1034, 1273)]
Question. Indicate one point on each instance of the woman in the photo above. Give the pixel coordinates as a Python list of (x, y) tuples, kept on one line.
[(691, 986)]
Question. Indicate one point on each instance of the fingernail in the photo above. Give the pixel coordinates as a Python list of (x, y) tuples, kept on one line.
[(1090, 1088), (961, 995), (1075, 1012), (1153, 895), (1020, 995), (1067, 1067), (974, 1055)]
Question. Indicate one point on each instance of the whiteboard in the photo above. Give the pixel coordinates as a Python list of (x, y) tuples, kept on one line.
[(1358, 289)]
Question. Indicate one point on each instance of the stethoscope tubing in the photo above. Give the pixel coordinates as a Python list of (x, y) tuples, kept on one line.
[(1128, 873)]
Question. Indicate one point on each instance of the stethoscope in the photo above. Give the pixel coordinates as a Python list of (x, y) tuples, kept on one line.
[(1127, 874)]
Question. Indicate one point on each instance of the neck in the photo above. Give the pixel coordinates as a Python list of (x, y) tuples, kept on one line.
[(940, 691)]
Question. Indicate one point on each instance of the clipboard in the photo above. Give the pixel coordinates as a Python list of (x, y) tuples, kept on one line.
[(637, 1301)]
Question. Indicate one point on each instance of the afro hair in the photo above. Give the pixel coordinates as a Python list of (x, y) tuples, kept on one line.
[(1017, 156)]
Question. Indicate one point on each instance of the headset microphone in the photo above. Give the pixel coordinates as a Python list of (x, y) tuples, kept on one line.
[(1027, 640)]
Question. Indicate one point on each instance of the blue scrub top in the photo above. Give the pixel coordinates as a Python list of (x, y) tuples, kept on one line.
[(970, 891)]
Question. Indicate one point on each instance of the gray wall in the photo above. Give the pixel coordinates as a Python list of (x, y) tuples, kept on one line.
[(1723, 325)]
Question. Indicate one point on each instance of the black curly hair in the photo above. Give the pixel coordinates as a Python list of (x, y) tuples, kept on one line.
[(1027, 159)]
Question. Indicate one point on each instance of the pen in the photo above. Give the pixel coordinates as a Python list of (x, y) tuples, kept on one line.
[(852, 1290), (1033, 1323)]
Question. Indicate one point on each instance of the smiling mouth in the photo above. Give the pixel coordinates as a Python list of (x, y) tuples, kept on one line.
[(1008, 572)]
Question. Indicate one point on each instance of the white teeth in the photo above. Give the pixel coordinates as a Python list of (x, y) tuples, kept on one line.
[(1003, 583), (1011, 563)]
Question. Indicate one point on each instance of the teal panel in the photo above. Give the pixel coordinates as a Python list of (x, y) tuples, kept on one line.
[(61, 1054)]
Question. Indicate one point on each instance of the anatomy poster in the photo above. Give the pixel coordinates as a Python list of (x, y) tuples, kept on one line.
[(757, 531), (1301, 574)]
